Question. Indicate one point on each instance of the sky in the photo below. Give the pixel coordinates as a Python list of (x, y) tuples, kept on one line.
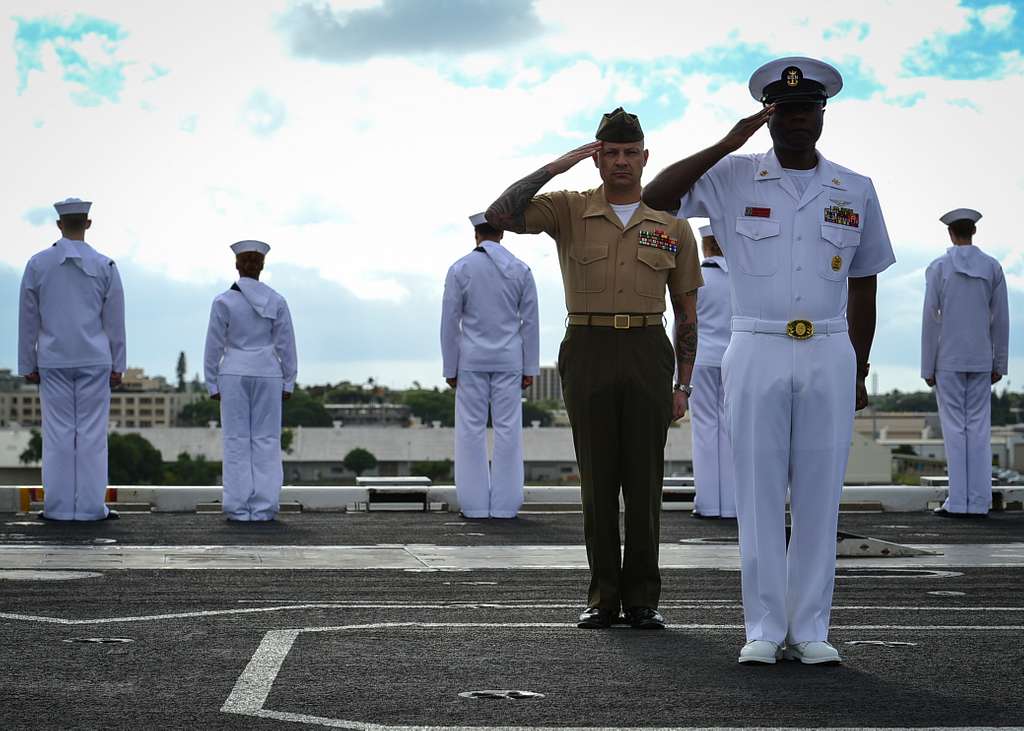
[(356, 138)]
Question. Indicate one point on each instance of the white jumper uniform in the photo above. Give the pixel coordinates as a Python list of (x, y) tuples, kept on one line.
[(250, 361), (71, 330), (791, 241), (712, 453), (489, 341), (965, 334)]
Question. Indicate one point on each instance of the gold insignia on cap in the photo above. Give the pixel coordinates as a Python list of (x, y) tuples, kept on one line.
[(837, 263), (793, 76), (763, 173)]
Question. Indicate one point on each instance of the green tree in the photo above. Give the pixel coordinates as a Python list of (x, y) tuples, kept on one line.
[(359, 460), (287, 437), (181, 370), (534, 411), (431, 405), (200, 413), (133, 460), (435, 469), (34, 451), (303, 410), (187, 470)]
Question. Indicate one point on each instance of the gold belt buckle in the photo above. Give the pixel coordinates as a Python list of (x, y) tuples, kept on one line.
[(620, 322), (800, 329)]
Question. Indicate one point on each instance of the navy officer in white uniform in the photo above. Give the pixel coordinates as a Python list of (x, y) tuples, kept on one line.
[(804, 239), (250, 365), (965, 334), (71, 341), (490, 343), (712, 453)]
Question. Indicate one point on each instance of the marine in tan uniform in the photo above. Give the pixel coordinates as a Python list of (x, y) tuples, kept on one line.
[(617, 257)]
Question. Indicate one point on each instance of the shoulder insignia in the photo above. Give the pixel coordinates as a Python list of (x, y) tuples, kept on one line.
[(111, 263)]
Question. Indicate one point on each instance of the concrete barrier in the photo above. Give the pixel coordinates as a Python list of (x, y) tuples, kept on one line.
[(889, 498)]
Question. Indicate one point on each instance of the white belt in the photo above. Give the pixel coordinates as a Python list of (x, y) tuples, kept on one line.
[(796, 329)]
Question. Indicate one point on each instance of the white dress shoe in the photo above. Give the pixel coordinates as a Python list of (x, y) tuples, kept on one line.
[(812, 653), (760, 651)]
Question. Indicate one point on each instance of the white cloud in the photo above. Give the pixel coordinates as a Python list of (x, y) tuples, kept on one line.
[(370, 175), (996, 18)]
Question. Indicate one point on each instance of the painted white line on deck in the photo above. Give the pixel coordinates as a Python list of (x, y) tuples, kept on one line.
[(478, 606), (255, 683)]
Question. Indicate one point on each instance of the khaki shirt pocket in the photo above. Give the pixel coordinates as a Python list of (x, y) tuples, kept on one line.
[(757, 245), (589, 268), (652, 271), (838, 247)]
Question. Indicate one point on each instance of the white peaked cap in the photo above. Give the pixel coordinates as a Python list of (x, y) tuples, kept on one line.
[(241, 247), (796, 77), (71, 206), (478, 219), (961, 214), (705, 231)]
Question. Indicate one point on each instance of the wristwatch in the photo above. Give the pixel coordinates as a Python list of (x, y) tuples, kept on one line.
[(684, 387)]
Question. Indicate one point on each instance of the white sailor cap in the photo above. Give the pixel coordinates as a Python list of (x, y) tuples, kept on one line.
[(795, 79), (478, 219), (240, 247), (705, 231), (961, 214), (72, 206)]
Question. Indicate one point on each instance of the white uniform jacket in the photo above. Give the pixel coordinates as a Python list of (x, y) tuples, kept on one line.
[(714, 313), (250, 334), (489, 314), (71, 312), (789, 255), (966, 321)]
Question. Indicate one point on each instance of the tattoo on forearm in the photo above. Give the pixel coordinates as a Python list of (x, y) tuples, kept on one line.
[(686, 327), (507, 212), (686, 343)]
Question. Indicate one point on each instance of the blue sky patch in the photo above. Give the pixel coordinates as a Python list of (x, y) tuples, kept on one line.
[(40, 216), (976, 53), (93, 81)]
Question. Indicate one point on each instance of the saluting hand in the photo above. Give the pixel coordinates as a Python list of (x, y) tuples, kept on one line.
[(566, 161), (746, 128)]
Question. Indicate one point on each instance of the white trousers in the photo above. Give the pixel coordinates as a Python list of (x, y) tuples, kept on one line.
[(790, 407), (965, 411), (250, 417), (484, 491), (713, 473), (76, 410)]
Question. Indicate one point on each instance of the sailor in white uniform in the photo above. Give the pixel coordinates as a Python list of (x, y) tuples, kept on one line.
[(965, 334), (804, 239), (71, 341), (712, 453), (490, 344), (250, 366)]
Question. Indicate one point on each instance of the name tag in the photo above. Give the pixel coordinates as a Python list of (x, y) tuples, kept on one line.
[(658, 239), (757, 212)]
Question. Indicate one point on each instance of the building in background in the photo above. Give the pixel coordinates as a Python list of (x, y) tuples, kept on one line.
[(372, 414), (142, 402), (547, 386)]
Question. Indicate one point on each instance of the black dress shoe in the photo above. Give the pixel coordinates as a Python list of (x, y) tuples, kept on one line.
[(701, 516), (644, 618), (943, 513), (597, 618), (112, 515)]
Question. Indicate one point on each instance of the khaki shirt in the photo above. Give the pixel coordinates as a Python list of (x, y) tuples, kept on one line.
[(605, 269)]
